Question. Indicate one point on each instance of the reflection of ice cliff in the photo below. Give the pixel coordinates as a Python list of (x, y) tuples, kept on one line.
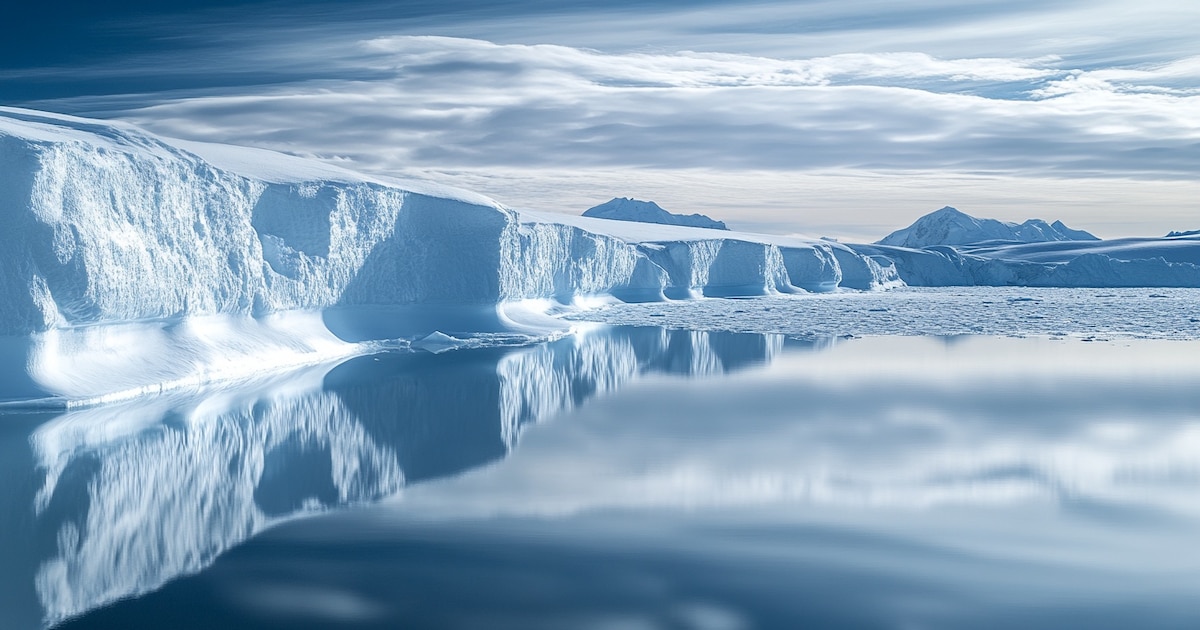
[(166, 501), (138, 494), (540, 381)]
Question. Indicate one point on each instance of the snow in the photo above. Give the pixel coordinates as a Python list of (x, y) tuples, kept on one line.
[(626, 209), (949, 226)]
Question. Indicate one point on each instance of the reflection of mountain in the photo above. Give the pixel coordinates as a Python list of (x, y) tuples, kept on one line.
[(128, 497)]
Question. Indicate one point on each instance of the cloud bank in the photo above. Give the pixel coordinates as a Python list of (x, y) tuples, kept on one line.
[(857, 94)]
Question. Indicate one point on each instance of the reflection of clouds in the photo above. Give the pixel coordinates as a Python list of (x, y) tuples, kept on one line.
[(308, 604), (906, 423), (466, 102)]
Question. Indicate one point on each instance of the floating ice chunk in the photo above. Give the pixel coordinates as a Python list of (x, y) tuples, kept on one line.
[(438, 342)]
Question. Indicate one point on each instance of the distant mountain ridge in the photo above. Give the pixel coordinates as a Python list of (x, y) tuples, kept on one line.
[(627, 209), (949, 226)]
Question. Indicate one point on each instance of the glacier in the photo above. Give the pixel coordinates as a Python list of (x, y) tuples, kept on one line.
[(133, 263)]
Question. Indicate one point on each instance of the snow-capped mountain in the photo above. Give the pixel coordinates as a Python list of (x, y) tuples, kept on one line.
[(626, 209), (949, 226)]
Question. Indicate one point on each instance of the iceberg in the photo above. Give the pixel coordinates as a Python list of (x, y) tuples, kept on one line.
[(131, 263)]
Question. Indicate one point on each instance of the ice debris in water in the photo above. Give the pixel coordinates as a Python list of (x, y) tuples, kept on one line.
[(438, 342)]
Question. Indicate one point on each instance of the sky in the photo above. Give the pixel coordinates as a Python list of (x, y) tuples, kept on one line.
[(829, 118)]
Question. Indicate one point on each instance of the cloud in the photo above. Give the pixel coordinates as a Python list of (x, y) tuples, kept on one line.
[(446, 102), (1009, 91)]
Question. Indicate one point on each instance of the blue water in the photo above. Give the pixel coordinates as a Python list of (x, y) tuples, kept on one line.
[(628, 478)]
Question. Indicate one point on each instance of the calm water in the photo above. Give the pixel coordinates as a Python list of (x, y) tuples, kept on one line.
[(629, 478)]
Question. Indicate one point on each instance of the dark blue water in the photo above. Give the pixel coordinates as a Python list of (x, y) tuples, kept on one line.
[(628, 478)]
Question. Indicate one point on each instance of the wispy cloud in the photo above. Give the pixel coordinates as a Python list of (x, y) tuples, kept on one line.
[(1007, 91), (450, 102)]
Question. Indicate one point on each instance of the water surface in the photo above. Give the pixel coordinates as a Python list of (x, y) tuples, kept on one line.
[(631, 478)]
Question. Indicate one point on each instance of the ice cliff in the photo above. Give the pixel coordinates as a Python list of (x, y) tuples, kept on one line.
[(130, 263), (626, 209)]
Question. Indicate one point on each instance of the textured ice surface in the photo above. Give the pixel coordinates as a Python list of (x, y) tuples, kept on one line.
[(1085, 313)]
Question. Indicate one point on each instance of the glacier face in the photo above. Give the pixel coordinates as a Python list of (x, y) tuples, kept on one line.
[(103, 225)]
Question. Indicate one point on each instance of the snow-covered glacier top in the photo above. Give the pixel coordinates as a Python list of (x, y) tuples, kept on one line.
[(627, 209), (950, 226)]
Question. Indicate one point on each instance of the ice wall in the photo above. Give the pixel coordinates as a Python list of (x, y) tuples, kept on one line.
[(104, 225)]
